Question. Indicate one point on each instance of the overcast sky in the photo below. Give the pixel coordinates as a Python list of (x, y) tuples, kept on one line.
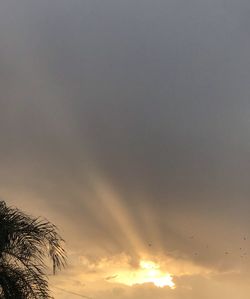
[(127, 124)]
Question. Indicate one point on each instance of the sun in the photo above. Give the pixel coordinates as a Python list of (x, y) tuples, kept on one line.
[(148, 272), (152, 273)]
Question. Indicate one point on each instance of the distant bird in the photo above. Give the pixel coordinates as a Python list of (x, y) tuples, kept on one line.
[(149, 245), (244, 238), (226, 252)]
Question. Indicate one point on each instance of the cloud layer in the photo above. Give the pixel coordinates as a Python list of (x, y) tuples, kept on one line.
[(127, 124)]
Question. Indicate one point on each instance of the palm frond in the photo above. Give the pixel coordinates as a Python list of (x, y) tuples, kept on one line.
[(24, 244)]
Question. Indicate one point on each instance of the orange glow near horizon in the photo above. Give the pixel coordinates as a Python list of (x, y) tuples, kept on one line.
[(149, 272), (119, 215)]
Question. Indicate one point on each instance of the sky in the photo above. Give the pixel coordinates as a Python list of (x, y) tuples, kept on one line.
[(127, 124)]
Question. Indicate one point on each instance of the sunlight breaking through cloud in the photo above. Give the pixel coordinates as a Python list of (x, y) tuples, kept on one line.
[(148, 272)]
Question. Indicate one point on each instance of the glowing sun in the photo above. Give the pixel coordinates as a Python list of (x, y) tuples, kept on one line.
[(148, 272)]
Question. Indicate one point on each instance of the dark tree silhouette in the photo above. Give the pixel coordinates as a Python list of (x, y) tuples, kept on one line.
[(25, 244)]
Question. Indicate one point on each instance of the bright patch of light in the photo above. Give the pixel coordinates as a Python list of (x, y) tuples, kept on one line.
[(149, 272)]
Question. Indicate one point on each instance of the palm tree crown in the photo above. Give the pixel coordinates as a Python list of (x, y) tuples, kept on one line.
[(25, 242)]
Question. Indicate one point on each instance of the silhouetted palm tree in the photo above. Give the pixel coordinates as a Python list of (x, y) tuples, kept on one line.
[(25, 242)]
